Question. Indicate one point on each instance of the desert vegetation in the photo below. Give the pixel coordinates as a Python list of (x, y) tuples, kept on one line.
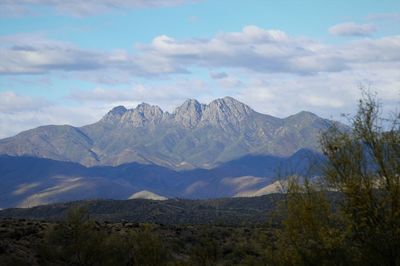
[(362, 226)]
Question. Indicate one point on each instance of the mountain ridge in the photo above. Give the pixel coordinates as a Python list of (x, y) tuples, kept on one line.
[(194, 135)]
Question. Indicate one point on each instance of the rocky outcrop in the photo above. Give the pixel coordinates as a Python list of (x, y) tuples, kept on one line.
[(189, 113)]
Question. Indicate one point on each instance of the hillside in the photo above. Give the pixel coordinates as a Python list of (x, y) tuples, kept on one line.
[(29, 181), (231, 211)]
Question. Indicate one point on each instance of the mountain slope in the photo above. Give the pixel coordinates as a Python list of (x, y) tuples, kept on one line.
[(193, 136), (29, 181)]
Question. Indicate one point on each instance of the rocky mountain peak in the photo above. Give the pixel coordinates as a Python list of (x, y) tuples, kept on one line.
[(115, 114), (226, 110), (229, 104), (118, 110), (143, 114), (148, 111), (189, 113)]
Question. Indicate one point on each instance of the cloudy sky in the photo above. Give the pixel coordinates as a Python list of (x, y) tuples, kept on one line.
[(69, 62)]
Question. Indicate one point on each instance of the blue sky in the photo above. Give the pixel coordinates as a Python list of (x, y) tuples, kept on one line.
[(68, 62)]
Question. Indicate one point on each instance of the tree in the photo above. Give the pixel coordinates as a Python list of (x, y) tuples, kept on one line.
[(81, 241), (309, 233), (74, 242), (354, 218), (364, 165)]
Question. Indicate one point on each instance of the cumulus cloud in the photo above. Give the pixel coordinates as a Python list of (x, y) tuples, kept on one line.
[(81, 8), (352, 29), (326, 94), (35, 54), (253, 49)]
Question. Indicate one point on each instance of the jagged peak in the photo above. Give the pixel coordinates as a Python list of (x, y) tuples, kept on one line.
[(229, 104), (228, 101), (143, 107), (191, 101), (118, 110), (188, 105), (138, 116), (115, 114), (189, 113)]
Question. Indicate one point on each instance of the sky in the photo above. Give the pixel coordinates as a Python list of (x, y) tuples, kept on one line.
[(69, 62)]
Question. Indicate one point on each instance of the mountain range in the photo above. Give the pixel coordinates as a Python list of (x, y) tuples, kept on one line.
[(223, 148)]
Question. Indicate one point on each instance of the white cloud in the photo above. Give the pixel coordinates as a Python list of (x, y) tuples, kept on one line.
[(386, 49), (269, 51), (352, 29), (326, 94), (87, 7), (254, 49), (35, 54)]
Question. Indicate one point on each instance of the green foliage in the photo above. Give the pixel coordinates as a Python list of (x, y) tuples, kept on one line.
[(364, 227), (147, 247), (76, 241), (310, 234), (80, 241), (364, 165), (227, 211)]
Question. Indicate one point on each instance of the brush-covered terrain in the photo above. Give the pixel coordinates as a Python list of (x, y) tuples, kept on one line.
[(228, 211), (83, 242)]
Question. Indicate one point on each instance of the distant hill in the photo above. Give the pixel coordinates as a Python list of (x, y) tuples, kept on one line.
[(232, 211), (194, 135), (30, 181)]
